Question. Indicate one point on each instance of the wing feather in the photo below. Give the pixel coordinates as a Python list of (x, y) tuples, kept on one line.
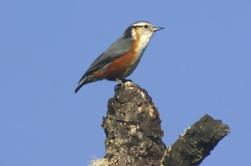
[(116, 50)]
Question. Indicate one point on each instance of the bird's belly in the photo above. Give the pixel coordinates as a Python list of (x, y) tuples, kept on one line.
[(121, 67)]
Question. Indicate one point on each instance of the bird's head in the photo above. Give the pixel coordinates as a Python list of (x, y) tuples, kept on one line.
[(141, 31)]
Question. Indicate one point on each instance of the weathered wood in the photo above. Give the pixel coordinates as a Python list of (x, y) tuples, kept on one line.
[(133, 133)]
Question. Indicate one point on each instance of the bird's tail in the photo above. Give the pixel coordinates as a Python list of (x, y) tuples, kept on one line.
[(84, 80)]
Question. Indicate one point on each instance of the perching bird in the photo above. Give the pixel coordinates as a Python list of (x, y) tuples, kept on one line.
[(122, 57)]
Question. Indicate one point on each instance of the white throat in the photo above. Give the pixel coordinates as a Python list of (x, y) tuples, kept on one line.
[(143, 40)]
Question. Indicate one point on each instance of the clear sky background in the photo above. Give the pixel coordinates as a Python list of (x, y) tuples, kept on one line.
[(200, 64)]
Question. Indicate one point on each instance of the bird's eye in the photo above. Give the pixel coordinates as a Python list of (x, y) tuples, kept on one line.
[(146, 26)]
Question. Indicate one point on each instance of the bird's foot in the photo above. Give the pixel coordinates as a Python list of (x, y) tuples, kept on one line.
[(121, 81), (128, 80), (117, 87)]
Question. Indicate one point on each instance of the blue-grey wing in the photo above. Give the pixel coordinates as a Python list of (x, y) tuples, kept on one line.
[(116, 50)]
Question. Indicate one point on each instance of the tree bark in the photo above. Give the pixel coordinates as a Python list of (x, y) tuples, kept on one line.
[(133, 133), (196, 143)]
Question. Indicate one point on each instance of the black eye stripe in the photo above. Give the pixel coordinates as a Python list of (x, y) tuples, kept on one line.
[(145, 26)]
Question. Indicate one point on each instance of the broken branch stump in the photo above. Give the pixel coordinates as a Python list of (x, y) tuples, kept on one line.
[(133, 134)]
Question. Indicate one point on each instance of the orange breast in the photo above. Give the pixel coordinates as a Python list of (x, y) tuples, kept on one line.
[(119, 66)]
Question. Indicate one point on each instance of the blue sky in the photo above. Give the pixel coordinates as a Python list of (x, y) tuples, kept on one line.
[(200, 64)]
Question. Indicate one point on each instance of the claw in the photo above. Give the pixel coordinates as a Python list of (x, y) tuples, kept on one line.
[(128, 81), (117, 86)]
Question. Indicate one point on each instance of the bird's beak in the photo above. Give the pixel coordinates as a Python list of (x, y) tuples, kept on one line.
[(157, 28)]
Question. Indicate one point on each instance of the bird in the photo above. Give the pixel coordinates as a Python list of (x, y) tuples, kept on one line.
[(122, 57)]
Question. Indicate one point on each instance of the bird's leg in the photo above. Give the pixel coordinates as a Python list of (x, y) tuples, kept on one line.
[(122, 80)]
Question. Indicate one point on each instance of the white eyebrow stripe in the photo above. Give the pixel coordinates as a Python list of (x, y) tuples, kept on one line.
[(140, 24)]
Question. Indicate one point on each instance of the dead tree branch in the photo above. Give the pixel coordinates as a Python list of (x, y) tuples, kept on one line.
[(133, 133)]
